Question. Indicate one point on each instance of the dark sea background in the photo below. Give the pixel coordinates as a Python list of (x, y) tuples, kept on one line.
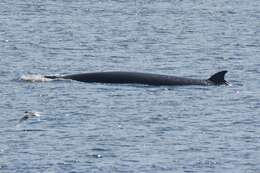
[(105, 128)]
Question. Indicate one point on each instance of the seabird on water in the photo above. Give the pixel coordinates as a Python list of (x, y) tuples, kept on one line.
[(28, 114)]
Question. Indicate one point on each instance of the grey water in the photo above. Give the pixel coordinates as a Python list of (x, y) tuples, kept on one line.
[(129, 128)]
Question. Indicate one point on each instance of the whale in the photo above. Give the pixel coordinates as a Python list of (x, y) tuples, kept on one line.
[(125, 77)]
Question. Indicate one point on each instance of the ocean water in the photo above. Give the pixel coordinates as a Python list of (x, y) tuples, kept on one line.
[(129, 128)]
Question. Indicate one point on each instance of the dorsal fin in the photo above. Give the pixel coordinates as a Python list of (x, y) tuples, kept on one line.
[(218, 78)]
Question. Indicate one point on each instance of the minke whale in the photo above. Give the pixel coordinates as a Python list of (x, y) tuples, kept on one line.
[(123, 77)]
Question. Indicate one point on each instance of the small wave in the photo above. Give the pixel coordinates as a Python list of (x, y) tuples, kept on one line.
[(35, 78)]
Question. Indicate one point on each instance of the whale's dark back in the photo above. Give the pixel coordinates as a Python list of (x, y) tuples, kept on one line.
[(134, 77), (121, 77)]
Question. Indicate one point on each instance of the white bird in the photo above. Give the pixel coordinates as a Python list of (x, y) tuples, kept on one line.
[(28, 114)]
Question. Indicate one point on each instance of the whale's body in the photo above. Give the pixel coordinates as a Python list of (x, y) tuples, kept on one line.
[(121, 77)]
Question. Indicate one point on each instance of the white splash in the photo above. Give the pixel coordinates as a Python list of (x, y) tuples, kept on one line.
[(35, 78), (229, 84)]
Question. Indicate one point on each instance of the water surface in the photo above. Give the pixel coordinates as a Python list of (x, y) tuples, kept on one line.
[(130, 128)]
